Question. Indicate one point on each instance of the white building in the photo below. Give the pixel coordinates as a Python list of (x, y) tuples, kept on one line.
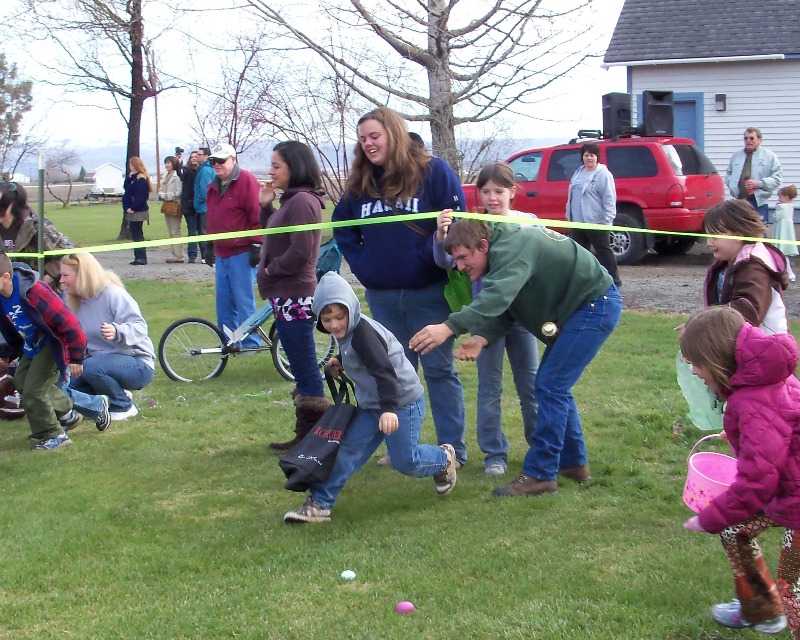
[(731, 64), (108, 178)]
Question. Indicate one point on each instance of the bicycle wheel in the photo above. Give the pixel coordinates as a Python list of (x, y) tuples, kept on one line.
[(325, 348), (191, 350)]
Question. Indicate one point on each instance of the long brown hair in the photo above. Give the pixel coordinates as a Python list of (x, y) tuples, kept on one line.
[(404, 169), (709, 341), (137, 164)]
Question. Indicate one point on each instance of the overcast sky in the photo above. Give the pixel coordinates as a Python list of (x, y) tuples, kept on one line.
[(570, 104)]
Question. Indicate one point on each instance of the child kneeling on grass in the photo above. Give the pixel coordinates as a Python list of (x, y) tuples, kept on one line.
[(391, 402), (37, 327), (754, 372)]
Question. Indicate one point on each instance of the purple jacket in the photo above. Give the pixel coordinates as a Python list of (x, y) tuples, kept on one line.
[(290, 257), (762, 421)]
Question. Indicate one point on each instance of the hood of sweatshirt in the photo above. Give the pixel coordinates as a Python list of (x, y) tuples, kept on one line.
[(334, 289)]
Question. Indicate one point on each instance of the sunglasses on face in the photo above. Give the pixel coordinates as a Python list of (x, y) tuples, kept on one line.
[(216, 161), (750, 138)]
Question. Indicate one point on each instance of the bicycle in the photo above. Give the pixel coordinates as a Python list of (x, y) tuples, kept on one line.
[(193, 349)]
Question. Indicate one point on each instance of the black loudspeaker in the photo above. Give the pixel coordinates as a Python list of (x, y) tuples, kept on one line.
[(658, 115), (616, 114)]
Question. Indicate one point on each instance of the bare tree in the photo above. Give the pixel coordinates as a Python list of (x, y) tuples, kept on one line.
[(59, 168), (234, 108), (15, 102), (103, 49), (437, 60), (261, 94)]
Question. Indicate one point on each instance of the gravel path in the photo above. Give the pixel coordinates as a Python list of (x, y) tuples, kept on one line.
[(657, 283)]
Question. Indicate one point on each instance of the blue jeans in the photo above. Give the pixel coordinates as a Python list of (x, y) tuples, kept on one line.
[(191, 230), (361, 440), (109, 374), (404, 312), (763, 210), (558, 440), (137, 235), (523, 356), (235, 300), (297, 338), (86, 404)]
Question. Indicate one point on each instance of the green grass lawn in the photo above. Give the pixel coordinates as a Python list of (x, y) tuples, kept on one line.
[(169, 525)]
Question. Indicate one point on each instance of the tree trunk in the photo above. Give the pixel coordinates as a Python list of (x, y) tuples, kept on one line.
[(440, 83), (139, 93)]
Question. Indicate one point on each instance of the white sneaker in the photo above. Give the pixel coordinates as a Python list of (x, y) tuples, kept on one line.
[(495, 469), (124, 415), (729, 614)]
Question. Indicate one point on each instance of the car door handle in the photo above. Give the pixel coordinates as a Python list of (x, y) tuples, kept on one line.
[(532, 194)]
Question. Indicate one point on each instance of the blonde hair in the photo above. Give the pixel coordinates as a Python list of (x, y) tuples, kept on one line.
[(92, 278), (404, 169), (137, 164), (709, 341)]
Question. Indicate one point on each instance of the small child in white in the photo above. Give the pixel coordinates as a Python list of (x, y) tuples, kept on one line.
[(391, 402), (783, 227)]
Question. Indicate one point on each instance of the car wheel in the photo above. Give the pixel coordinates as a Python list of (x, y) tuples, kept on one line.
[(628, 247), (674, 245)]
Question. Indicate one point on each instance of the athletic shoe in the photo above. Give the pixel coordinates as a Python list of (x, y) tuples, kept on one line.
[(309, 512), (384, 461), (61, 440), (70, 420), (496, 469), (103, 418), (124, 415), (446, 478), (729, 614)]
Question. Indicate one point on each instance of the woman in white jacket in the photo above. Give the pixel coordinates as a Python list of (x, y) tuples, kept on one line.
[(171, 192), (593, 199)]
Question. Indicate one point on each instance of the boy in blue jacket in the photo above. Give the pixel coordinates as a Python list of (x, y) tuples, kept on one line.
[(39, 328), (391, 402)]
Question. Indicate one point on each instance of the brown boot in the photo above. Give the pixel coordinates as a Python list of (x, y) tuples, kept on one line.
[(307, 410), (524, 485), (580, 474)]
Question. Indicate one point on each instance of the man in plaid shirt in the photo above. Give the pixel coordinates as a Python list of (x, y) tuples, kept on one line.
[(39, 328)]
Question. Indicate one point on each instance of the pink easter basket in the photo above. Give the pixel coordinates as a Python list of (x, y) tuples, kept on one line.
[(709, 475)]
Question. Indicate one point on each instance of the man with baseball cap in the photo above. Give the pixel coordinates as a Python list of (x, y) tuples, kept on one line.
[(233, 205)]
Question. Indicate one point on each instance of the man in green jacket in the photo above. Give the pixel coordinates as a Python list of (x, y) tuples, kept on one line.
[(559, 292)]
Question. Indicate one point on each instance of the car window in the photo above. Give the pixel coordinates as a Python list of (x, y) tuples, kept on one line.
[(693, 161), (526, 167), (631, 162), (563, 163)]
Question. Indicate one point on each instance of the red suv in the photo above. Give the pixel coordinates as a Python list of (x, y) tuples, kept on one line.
[(663, 184)]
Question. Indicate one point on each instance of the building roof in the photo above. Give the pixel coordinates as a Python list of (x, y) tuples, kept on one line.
[(681, 29)]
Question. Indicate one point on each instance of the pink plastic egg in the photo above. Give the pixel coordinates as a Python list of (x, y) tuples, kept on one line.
[(404, 607)]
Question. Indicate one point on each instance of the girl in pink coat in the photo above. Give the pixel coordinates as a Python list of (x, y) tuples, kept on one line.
[(754, 372)]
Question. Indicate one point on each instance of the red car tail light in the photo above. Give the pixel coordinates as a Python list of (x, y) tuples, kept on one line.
[(675, 196)]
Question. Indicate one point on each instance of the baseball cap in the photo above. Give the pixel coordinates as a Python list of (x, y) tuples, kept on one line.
[(223, 152)]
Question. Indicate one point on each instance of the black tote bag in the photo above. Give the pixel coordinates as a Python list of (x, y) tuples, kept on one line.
[(313, 457)]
